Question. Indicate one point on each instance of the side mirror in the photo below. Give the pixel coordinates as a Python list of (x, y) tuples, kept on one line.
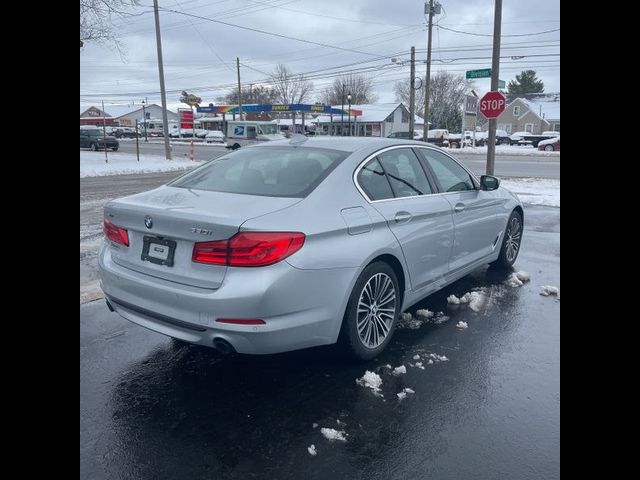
[(489, 182)]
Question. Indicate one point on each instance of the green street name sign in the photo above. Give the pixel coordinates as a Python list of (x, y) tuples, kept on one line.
[(501, 84), (482, 73)]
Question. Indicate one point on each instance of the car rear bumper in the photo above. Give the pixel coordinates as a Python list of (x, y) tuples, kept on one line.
[(301, 308)]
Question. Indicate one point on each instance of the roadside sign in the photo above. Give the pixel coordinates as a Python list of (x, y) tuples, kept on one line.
[(186, 117), (481, 73), (492, 104), (502, 84), (470, 105)]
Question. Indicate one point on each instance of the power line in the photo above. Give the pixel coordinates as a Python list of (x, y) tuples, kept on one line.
[(274, 34), (491, 35)]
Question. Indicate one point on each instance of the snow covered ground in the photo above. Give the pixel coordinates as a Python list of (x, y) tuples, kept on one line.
[(535, 191), (525, 150), (92, 164)]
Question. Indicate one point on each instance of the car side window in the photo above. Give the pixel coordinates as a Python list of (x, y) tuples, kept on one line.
[(452, 177), (373, 181), (406, 175)]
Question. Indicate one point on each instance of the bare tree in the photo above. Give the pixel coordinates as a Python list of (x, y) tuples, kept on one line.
[(359, 86), (446, 94), (260, 94), (289, 87), (96, 20)]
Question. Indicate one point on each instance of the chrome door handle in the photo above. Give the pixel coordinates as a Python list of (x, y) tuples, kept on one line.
[(402, 217), (459, 207)]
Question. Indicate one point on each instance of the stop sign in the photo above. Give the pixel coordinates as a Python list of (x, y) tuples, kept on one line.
[(492, 104)]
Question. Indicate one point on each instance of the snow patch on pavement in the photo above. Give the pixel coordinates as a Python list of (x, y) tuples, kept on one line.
[(517, 279), (399, 370), (332, 434), (312, 450), (476, 300), (547, 290), (371, 380), (462, 325), (92, 164), (535, 191)]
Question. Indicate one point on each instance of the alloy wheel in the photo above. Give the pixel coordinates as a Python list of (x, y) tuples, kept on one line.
[(376, 310), (514, 235)]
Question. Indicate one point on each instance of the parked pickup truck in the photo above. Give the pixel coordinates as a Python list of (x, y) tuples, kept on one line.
[(534, 140)]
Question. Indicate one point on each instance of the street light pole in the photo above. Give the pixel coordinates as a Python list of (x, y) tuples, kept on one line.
[(144, 119), (349, 114), (412, 93), (342, 114)]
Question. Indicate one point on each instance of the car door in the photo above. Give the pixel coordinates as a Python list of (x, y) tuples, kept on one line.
[(474, 210), (395, 183)]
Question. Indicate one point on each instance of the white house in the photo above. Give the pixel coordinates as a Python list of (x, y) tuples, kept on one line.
[(126, 115), (377, 120)]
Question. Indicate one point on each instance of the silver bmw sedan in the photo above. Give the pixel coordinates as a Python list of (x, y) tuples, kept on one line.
[(297, 243)]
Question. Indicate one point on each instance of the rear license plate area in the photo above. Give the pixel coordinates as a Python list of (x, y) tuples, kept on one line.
[(158, 250)]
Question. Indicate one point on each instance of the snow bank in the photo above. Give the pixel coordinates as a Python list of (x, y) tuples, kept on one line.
[(527, 150), (332, 434), (535, 191), (92, 164)]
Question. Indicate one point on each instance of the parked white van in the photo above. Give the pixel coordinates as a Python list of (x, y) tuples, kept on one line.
[(240, 133)]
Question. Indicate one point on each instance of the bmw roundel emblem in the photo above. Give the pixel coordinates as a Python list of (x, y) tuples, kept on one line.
[(148, 221)]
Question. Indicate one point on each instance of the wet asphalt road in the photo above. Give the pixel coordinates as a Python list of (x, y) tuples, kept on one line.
[(150, 409)]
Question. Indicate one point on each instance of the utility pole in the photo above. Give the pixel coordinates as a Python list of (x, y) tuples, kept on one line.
[(495, 66), (428, 79), (239, 90), (163, 93), (342, 114), (412, 93)]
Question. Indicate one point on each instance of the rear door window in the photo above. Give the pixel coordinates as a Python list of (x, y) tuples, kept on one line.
[(406, 175), (373, 181)]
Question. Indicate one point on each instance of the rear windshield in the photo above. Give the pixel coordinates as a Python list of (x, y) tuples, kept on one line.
[(267, 171)]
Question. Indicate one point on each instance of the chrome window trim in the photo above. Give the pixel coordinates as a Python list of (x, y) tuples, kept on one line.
[(370, 157)]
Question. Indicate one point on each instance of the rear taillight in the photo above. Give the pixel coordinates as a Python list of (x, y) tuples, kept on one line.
[(249, 249), (115, 233)]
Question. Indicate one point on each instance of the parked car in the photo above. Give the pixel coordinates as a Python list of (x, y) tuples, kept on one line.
[(551, 133), (502, 138), (516, 138), (550, 145), (417, 135), (296, 243), (438, 136), (215, 136), (399, 135), (95, 139)]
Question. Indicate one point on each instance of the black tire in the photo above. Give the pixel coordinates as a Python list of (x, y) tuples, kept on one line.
[(93, 147), (548, 148), (350, 338), (115, 149), (511, 234)]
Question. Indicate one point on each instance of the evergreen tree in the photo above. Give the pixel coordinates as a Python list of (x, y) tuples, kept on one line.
[(526, 82)]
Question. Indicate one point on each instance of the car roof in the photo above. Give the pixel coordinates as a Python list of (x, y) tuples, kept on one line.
[(346, 144)]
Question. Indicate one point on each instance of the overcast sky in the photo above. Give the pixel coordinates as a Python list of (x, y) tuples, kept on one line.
[(199, 55)]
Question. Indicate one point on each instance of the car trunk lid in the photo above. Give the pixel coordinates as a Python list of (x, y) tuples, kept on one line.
[(164, 224)]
